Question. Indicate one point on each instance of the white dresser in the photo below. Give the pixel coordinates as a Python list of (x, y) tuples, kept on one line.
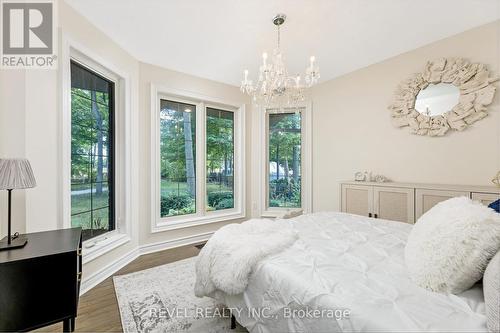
[(405, 202)]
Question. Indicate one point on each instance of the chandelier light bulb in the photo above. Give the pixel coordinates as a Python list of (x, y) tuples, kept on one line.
[(312, 59)]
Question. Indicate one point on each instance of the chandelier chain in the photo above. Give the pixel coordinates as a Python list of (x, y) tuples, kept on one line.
[(279, 37)]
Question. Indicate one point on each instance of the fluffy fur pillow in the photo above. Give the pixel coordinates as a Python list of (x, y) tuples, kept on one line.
[(450, 246)]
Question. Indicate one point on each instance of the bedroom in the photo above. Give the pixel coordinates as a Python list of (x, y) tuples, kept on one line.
[(127, 119)]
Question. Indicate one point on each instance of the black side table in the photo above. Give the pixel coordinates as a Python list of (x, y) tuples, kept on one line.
[(40, 283)]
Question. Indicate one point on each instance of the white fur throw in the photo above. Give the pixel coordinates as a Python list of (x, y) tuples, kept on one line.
[(227, 260), (450, 246)]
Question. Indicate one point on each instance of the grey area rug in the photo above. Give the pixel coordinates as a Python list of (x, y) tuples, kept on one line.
[(161, 299)]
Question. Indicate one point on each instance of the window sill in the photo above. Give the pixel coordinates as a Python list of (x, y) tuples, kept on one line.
[(190, 221), (282, 213), (94, 248)]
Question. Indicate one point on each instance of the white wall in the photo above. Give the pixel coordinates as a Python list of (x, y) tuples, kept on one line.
[(41, 135), (352, 130), (28, 128), (12, 141)]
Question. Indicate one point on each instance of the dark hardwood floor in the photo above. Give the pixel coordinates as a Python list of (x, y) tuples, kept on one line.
[(98, 308)]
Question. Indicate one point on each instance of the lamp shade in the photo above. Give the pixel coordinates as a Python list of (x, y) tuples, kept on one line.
[(16, 173)]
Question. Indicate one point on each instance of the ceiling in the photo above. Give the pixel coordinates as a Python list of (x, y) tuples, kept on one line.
[(218, 39)]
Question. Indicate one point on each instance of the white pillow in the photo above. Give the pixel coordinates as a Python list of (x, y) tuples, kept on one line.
[(450, 246)]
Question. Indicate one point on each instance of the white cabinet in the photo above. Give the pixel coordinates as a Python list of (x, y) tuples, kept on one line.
[(357, 199), (406, 202), (485, 198), (428, 198), (392, 203)]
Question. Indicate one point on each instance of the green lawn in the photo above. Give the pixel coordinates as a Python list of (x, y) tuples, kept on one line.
[(81, 203)]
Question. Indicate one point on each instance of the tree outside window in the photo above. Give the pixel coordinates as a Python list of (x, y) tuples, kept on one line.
[(284, 142)]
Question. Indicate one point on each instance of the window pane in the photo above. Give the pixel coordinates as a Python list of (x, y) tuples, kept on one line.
[(91, 152), (80, 198), (285, 160), (100, 169), (100, 221), (82, 220), (220, 159), (81, 166), (100, 195), (177, 158)]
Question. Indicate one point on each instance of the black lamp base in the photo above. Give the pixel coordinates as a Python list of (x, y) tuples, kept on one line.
[(14, 244)]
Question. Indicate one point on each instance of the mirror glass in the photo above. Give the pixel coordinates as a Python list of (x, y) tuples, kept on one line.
[(437, 99)]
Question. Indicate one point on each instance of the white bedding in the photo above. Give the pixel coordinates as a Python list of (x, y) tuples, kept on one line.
[(225, 265), (352, 263)]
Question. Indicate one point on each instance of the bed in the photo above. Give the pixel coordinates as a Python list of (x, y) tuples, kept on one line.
[(351, 270)]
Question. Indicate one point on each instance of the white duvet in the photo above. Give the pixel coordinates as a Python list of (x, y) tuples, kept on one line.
[(352, 267)]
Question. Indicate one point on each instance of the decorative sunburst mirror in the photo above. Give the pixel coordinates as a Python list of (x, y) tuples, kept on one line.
[(451, 93)]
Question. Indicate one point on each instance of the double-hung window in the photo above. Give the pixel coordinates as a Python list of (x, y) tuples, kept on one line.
[(198, 171), (92, 151)]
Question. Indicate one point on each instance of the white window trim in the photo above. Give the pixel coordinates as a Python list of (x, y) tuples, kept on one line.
[(306, 164), (159, 224), (73, 50)]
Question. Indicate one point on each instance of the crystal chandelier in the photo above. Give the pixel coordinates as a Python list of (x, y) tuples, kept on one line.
[(275, 87)]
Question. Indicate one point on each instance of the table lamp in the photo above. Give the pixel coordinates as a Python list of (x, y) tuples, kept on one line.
[(16, 174)]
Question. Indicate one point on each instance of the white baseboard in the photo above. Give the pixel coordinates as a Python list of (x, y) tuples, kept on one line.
[(101, 275), (108, 270)]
